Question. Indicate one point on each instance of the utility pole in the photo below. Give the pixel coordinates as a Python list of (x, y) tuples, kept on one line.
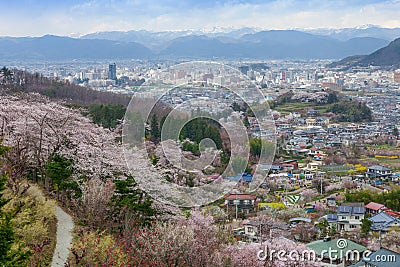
[(321, 184), (236, 210)]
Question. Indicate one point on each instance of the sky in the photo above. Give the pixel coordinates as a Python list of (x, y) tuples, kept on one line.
[(76, 17)]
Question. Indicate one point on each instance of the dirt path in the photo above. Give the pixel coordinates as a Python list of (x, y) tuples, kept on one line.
[(65, 225)]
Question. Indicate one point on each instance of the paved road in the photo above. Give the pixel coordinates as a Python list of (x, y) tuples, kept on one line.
[(65, 225)]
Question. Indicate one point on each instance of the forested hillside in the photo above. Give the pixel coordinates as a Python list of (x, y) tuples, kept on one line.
[(22, 81)]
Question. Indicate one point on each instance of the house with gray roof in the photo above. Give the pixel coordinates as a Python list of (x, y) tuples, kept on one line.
[(384, 222), (377, 171)]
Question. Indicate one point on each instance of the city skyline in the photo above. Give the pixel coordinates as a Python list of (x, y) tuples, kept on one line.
[(78, 17)]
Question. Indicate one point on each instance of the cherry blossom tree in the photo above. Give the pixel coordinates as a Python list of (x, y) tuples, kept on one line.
[(276, 252), (185, 242), (308, 194), (304, 232), (37, 129), (391, 240), (332, 187)]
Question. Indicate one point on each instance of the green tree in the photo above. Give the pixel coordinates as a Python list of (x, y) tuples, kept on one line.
[(366, 224), (194, 148), (108, 116), (225, 157), (59, 170), (6, 74), (200, 128), (255, 147), (162, 121), (351, 111), (128, 200), (332, 98), (323, 228), (332, 230), (190, 181), (395, 131), (154, 129), (259, 146), (246, 122)]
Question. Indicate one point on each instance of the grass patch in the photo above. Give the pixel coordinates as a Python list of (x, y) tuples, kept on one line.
[(300, 107), (34, 224)]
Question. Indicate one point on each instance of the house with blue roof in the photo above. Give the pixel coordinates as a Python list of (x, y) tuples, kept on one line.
[(243, 177), (348, 217), (384, 222)]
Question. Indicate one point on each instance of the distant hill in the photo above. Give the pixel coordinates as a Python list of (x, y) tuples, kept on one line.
[(388, 56), (346, 62), (50, 47), (70, 93)]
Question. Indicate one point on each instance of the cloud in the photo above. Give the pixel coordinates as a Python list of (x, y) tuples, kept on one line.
[(34, 17)]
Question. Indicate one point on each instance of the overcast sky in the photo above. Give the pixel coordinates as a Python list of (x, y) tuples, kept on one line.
[(67, 17)]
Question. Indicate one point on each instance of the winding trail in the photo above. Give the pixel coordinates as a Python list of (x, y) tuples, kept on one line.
[(65, 225)]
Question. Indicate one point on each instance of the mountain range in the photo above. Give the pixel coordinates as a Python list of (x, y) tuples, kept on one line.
[(245, 43)]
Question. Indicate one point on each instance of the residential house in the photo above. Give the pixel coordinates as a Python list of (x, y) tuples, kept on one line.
[(336, 252), (312, 113), (244, 203), (332, 219), (384, 222), (255, 230), (377, 171), (252, 230), (289, 165), (271, 168), (374, 208), (311, 167), (348, 217), (331, 201)]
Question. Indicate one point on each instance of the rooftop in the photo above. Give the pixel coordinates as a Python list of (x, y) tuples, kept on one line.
[(240, 197), (351, 208), (341, 245), (378, 168), (374, 206)]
